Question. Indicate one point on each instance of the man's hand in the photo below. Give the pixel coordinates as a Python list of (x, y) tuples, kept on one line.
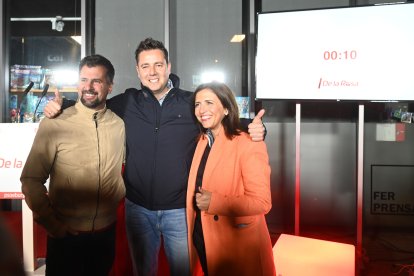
[(53, 107), (256, 128)]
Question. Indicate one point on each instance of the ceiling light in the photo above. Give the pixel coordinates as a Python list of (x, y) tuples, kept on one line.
[(57, 22), (238, 38), (77, 38)]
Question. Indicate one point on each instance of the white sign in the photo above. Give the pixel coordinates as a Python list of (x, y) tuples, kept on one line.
[(355, 53), (15, 143)]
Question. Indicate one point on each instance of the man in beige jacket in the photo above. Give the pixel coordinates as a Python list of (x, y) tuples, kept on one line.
[(81, 152)]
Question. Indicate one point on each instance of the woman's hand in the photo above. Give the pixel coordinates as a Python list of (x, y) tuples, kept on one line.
[(203, 198)]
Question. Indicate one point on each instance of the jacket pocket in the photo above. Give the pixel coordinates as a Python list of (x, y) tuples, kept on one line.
[(243, 222)]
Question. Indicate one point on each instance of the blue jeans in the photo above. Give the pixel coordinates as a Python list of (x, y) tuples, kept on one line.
[(144, 229)]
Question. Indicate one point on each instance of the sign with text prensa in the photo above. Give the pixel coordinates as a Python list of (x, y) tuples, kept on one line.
[(392, 190)]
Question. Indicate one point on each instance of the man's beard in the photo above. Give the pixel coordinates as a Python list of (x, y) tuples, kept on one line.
[(90, 104)]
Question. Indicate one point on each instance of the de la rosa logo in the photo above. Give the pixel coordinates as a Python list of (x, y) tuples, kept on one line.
[(10, 163), (336, 83)]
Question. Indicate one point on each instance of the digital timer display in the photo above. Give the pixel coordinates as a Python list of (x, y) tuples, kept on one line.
[(353, 53), (335, 55)]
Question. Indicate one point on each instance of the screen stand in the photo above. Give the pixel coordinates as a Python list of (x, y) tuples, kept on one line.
[(360, 180), (297, 171), (360, 185)]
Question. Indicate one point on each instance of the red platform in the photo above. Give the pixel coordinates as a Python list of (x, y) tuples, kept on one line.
[(295, 255)]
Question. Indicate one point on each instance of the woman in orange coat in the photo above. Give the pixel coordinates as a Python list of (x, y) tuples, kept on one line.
[(228, 192)]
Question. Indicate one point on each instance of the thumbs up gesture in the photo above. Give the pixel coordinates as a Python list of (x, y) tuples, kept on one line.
[(53, 107), (256, 127)]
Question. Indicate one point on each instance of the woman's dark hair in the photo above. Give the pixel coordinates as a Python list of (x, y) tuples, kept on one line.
[(231, 121), (98, 60), (151, 44)]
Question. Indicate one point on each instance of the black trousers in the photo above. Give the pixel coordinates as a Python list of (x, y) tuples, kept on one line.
[(198, 241), (83, 254)]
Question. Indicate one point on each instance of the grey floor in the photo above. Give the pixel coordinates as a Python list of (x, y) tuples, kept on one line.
[(40, 271), (388, 253)]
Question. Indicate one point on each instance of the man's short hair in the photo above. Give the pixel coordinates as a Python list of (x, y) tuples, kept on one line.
[(150, 44), (98, 60)]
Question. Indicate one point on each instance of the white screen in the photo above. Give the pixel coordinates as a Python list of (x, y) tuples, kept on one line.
[(358, 53)]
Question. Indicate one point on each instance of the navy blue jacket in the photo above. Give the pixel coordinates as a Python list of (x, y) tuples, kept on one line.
[(160, 143)]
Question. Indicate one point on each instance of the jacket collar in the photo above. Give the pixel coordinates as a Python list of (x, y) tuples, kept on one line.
[(175, 80), (89, 113), (216, 153)]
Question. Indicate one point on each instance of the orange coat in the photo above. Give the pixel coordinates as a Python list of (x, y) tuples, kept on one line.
[(236, 237)]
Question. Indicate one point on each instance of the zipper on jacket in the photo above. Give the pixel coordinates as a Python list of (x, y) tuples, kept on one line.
[(157, 118), (95, 119), (158, 111)]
